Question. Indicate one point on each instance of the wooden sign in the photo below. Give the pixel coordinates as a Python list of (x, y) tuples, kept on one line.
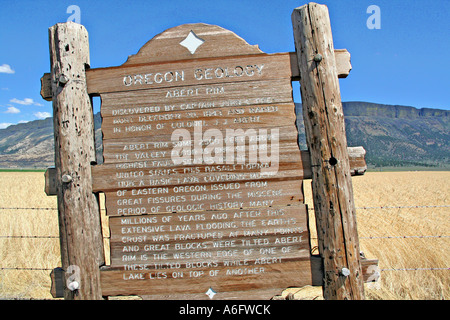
[(228, 250), (202, 172)]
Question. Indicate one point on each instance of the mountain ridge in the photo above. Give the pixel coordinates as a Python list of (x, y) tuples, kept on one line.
[(393, 135)]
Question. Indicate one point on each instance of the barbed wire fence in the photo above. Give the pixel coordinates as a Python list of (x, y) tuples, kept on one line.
[(362, 238)]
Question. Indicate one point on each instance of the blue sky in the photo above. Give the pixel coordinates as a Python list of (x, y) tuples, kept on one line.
[(405, 62)]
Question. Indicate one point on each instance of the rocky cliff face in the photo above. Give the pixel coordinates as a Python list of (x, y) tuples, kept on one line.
[(395, 135), (392, 136), (31, 144), (27, 145), (368, 109)]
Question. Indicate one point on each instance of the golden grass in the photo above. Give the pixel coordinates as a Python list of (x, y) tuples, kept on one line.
[(375, 225), (26, 190), (374, 189)]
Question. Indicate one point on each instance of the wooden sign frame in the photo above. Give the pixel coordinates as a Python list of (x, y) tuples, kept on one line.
[(200, 241)]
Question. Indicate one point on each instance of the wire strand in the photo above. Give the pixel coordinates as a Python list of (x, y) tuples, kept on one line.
[(28, 269), (413, 269), (31, 237), (403, 237)]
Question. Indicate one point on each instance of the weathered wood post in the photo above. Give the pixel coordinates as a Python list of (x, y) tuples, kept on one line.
[(79, 218), (327, 143)]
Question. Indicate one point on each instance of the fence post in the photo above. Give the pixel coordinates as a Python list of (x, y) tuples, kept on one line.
[(79, 217), (327, 143)]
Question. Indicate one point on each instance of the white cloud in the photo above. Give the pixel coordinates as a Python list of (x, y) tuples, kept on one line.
[(23, 121), (42, 115), (25, 102), (4, 125), (12, 110), (6, 68)]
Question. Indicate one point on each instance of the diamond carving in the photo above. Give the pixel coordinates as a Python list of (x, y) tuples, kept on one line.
[(210, 293), (192, 42)]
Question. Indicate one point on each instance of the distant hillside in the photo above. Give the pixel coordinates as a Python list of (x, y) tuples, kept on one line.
[(396, 135), (27, 145), (30, 145), (391, 135)]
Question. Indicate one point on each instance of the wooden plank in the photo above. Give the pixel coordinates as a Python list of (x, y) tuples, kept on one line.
[(46, 87), (214, 154), (164, 123), (57, 279), (208, 236), (50, 182), (157, 149), (106, 178), (189, 72), (133, 157), (227, 250), (369, 269), (343, 66), (292, 273), (327, 143), (111, 279), (198, 97), (357, 161), (81, 238), (199, 197)]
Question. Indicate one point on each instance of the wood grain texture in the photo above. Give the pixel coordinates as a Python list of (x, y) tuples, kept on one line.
[(189, 72), (81, 238), (196, 98), (189, 253), (327, 143), (105, 177), (342, 60), (357, 160), (368, 268), (50, 182), (280, 276), (156, 150), (193, 198), (114, 153), (166, 47), (46, 87), (189, 237), (219, 42), (255, 117)]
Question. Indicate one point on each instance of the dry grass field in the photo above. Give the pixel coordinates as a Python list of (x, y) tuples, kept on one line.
[(410, 242)]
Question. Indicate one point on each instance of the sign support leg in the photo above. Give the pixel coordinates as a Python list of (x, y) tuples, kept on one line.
[(79, 216), (327, 143)]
